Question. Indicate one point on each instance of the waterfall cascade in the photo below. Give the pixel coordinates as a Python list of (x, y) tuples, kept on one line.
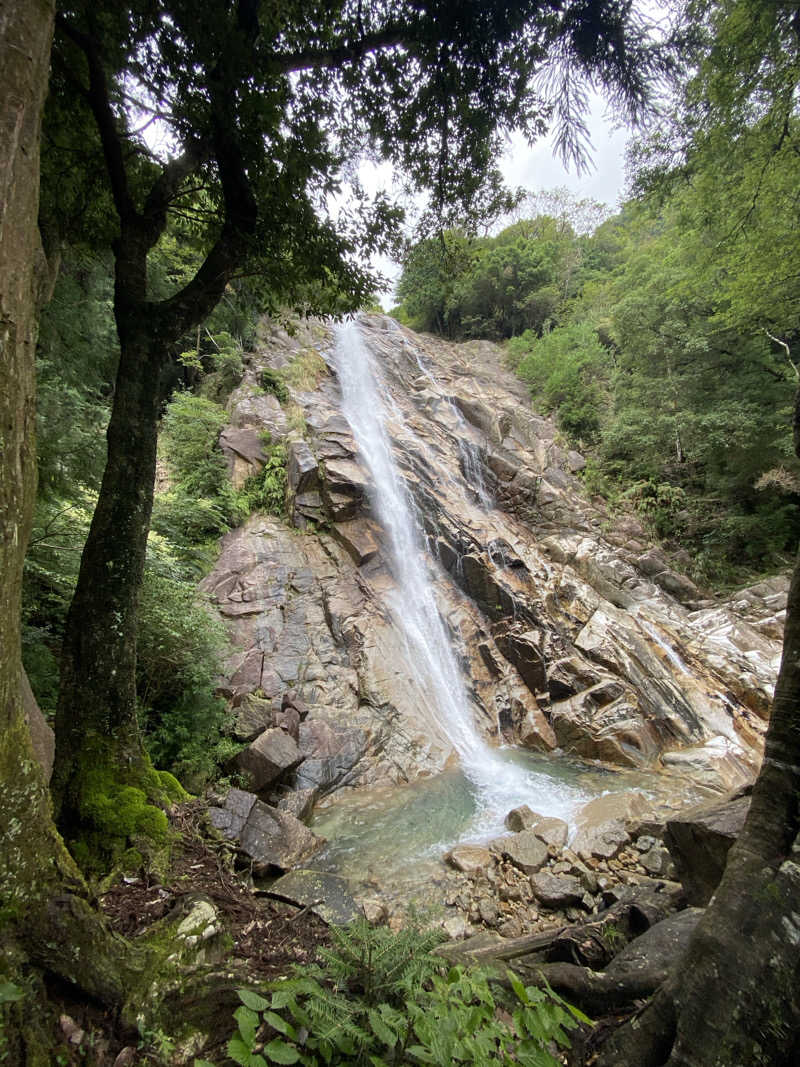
[(500, 782)]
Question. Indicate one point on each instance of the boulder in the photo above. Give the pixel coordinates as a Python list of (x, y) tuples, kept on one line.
[(525, 850), (698, 841), (552, 831), (243, 450), (521, 818), (252, 717), (300, 803), (659, 947), (359, 538), (302, 473), (288, 719), (535, 732), (556, 891), (271, 838), (271, 755), (327, 895), (602, 841), (329, 751), (471, 859)]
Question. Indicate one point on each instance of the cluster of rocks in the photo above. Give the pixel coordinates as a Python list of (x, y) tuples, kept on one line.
[(531, 880)]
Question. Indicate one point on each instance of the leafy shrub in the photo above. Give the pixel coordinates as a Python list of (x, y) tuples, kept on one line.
[(384, 998), (180, 649), (272, 382), (565, 369), (190, 431), (266, 490)]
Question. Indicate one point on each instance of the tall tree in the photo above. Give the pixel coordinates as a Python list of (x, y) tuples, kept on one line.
[(264, 104), (44, 915), (735, 997)]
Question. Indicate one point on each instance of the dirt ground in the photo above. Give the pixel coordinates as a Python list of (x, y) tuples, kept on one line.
[(268, 938)]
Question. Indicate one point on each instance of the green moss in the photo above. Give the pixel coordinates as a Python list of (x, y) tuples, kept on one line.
[(172, 787), (117, 815)]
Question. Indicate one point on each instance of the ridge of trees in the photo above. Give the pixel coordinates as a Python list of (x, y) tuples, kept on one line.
[(662, 341)]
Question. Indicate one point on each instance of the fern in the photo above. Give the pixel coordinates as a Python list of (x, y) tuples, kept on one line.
[(379, 999)]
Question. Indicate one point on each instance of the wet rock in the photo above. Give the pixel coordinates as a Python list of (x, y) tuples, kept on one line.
[(327, 895), (272, 754), (470, 859), (535, 732), (359, 537), (521, 818), (699, 840), (525, 850)]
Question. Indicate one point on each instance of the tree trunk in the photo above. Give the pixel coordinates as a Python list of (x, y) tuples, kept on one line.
[(97, 735), (735, 997), (44, 919)]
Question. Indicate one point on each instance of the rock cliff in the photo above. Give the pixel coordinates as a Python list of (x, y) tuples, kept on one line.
[(573, 631)]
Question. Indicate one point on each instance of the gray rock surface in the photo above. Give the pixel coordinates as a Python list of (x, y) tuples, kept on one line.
[(557, 891), (699, 840), (574, 632), (271, 838), (525, 850), (327, 895), (269, 757)]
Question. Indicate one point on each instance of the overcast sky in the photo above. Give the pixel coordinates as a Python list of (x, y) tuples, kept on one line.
[(536, 168)]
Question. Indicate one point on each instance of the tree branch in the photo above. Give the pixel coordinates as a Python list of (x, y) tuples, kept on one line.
[(100, 104), (393, 35)]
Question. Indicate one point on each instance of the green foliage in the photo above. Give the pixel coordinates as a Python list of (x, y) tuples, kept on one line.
[(189, 434), (266, 490), (567, 369), (75, 366), (305, 370), (382, 998), (181, 647), (271, 381)]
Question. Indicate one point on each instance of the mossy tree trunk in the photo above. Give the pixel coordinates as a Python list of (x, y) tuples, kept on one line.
[(735, 997), (46, 926), (98, 747)]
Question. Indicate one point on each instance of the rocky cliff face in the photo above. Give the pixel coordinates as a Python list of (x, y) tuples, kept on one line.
[(573, 631)]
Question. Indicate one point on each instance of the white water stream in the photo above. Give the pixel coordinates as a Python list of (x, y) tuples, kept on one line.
[(501, 782)]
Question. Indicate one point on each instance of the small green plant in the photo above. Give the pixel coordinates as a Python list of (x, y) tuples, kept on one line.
[(266, 490), (382, 998), (271, 382)]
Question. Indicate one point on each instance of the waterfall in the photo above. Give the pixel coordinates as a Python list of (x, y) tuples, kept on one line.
[(500, 781)]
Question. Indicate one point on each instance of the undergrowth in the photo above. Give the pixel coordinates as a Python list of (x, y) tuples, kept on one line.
[(381, 998)]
